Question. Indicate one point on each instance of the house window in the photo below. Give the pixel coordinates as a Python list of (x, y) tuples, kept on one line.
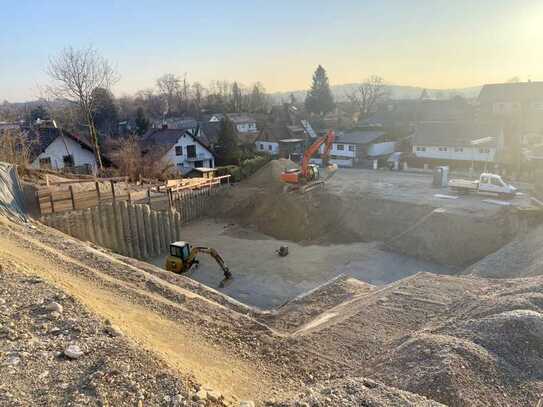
[(351, 149), (199, 164), (45, 162), (340, 147), (261, 146), (178, 150), (484, 150), (458, 150), (68, 160), (442, 148), (421, 148), (270, 147), (191, 151)]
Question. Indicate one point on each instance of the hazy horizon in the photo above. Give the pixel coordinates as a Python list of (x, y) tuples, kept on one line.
[(431, 44)]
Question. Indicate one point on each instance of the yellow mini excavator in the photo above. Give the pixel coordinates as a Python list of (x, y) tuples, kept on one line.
[(183, 257)]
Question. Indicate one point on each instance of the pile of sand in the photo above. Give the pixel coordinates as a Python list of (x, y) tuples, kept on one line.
[(521, 257), (269, 176), (356, 392)]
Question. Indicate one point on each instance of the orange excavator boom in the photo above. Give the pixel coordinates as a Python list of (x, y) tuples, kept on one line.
[(306, 173), (327, 140)]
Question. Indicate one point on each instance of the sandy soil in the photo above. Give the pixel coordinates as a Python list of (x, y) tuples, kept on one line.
[(265, 280), (454, 340)]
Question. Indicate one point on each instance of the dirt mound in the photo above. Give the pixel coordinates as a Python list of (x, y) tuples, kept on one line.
[(357, 392), (501, 334), (521, 257), (450, 370), (269, 176)]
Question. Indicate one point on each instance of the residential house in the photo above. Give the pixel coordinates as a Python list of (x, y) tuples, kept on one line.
[(243, 123), (180, 147), (273, 136), (57, 149), (397, 114), (459, 144), (353, 147), (519, 106), (175, 123), (9, 126)]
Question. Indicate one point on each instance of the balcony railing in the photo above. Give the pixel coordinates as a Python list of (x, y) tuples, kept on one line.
[(197, 157)]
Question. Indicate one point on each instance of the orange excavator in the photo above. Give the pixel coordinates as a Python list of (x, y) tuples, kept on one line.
[(308, 175)]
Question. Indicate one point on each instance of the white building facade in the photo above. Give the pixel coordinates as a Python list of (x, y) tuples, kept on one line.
[(188, 153), (268, 147), (64, 152), (457, 153)]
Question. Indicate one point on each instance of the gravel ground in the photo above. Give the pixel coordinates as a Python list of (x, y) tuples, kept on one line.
[(356, 392), (54, 352)]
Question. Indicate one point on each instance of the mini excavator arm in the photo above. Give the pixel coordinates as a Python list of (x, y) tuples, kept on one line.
[(215, 255)]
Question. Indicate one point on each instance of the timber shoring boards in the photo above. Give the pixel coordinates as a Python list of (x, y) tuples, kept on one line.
[(52, 201)]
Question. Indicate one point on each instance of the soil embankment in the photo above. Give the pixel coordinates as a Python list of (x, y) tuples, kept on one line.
[(423, 230)]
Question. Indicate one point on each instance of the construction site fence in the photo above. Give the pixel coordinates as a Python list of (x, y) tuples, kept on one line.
[(106, 191), (134, 230)]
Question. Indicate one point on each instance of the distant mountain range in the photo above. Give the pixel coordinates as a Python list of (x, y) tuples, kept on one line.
[(395, 92)]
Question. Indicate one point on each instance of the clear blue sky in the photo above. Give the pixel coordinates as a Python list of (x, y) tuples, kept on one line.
[(431, 43)]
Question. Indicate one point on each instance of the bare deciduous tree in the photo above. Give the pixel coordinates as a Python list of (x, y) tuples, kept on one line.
[(76, 73), (368, 95), (132, 162), (169, 86), (15, 147)]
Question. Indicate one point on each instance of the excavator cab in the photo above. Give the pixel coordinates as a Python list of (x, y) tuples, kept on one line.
[(179, 256), (180, 249), (182, 257)]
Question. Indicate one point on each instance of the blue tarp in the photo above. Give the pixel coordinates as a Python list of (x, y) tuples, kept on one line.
[(11, 194)]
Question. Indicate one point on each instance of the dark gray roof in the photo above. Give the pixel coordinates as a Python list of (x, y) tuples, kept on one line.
[(502, 92), (167, 138), (240, 118), (359, 137), (274, 133), (452, 134), (211, 131), (42, 137)]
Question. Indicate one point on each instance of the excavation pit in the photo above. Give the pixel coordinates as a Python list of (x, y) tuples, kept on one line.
[(375, 226), (265, 280)]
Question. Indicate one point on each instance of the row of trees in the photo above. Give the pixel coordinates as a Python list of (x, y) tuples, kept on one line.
[(364, 98), (82, 80)]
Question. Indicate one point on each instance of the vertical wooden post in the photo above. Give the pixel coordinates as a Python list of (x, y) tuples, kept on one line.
[(170, 198), (47, 179), (72, 196), (129, 197), (52, 202), (113, 191), (98, 197), (38, 202), (149, 196)]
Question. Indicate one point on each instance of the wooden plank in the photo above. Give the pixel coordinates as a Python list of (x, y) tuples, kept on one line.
[(61, 195), (83, 181), (86, 195)]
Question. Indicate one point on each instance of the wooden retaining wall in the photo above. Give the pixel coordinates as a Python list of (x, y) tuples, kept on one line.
[(133, 230)]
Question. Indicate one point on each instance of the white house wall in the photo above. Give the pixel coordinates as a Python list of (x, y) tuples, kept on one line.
[(182, 162), (246, 127), (268, 147), (454, 153), (378, 149), (340, 162), (63, 146)]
